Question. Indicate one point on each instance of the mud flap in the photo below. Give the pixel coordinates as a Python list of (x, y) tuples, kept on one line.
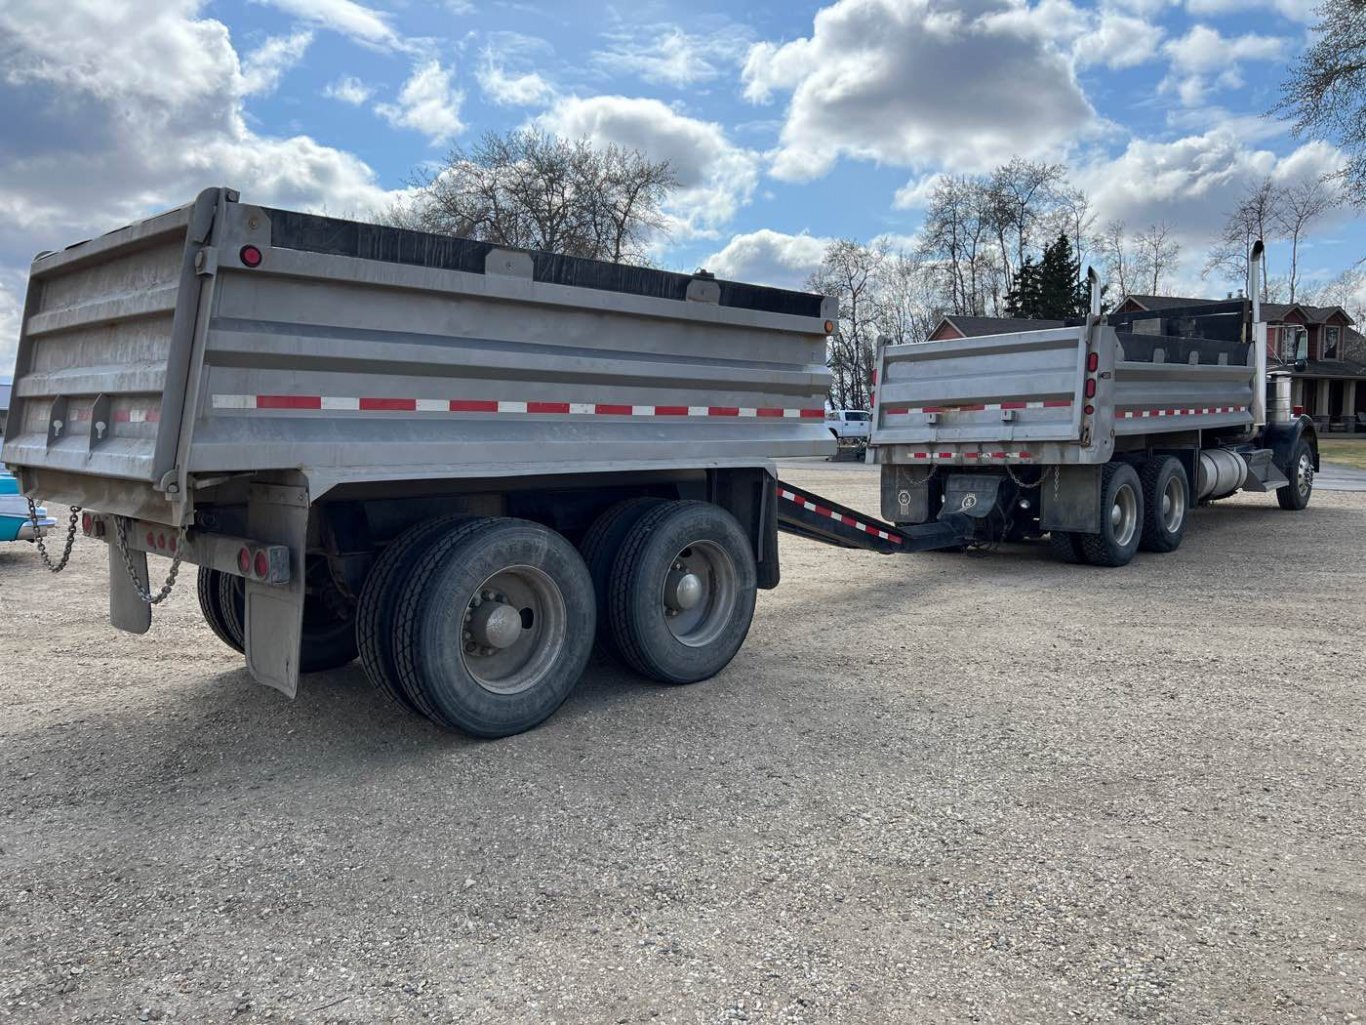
[(127, 610), (277, 514)]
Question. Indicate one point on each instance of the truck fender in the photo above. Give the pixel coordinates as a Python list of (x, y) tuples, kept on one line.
[(1282, 438)]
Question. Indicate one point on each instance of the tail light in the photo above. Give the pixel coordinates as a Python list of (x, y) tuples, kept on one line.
[(1093, 362), (250, 256), (244, 560), (262, 565), (1090, 387)]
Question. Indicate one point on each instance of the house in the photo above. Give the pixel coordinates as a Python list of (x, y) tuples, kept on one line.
[(953, 326), (1332, 387)]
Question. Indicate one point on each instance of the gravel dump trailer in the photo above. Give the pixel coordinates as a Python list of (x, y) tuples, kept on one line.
[(1101, 436), (458, 462)]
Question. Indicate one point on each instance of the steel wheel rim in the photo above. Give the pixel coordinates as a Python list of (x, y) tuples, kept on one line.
[(1304, 474), (714, 593), (539, 607), (1173, 504), (1124, 515)]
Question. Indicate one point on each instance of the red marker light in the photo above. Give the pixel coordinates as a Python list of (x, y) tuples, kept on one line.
[(244, 560), (1093, 361), (250, 256), (1088, 409), (85, 522), (262, 565)]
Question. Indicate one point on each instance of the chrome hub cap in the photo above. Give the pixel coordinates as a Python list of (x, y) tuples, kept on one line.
[(1173, 505), (700, 593), (1124, 515), (1304, 474), (514, 629)]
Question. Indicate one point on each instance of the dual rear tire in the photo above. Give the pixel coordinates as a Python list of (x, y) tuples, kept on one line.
[(329, 635), (1138, 510), (485, 625)]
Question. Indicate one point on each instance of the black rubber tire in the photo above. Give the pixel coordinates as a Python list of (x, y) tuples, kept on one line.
[(1104, 548), (208, 586), (328, 639), (232, 605), (429, 623), (1156, 476), (599, 548), (639, 626), (379, 594), (1065, 547), (1292, 497)]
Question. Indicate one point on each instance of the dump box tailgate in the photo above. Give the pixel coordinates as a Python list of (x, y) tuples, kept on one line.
[(104, 349), (988, 396)]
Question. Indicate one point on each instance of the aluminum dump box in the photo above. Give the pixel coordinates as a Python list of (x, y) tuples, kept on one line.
[(225, 338), (1057, 396)]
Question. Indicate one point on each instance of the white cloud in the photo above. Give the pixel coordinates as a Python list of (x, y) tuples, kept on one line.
[(349, 89), (716, 177), (97, 134), (428, 103), (916, 193), (908, 83), (1203, 60), (1192, 183), (363, 24), (665, 54), (1118, 41), (264, 66), (512, 90), (767, 257), (1295, 10)]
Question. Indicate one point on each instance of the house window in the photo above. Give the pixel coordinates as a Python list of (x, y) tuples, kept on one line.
[(1291, 337), (1332, 338)]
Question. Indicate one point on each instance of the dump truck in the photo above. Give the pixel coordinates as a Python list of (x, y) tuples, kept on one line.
[(467, 466), (1100, 436), (463, 464)]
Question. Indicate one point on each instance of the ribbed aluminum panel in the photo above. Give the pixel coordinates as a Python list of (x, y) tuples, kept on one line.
[(94, 353), (997, 393)]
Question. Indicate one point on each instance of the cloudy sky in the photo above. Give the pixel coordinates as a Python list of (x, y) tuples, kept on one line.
[(788, 121)]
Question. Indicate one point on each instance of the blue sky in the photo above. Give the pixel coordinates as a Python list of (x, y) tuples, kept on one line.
[(790, 123)]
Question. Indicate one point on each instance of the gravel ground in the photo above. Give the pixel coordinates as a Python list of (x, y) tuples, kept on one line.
[(935, 788)]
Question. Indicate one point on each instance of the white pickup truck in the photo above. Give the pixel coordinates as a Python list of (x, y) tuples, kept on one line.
[(849, 426)]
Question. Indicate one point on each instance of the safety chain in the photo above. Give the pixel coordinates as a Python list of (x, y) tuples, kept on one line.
[(38, 537), (934, 468), (1022, 485), (121, 530)]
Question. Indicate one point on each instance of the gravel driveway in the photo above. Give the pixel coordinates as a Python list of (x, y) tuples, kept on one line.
[(936, 788)]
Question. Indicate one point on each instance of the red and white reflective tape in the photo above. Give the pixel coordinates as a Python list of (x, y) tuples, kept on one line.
[(837, 516), (1143, 414), (949, 456), (392, 405), (982, 407)]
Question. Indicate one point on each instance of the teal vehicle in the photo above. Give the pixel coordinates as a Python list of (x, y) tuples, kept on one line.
[(14, 518)]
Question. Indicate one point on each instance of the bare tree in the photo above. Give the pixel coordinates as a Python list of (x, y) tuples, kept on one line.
[(909, 297), (1326, 93), (1113, 246), (850, 272), (1157, 255), (1301, 204), (1074, 217), (957, 235), (1021, 192), (535, 191), (1256, 216)]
